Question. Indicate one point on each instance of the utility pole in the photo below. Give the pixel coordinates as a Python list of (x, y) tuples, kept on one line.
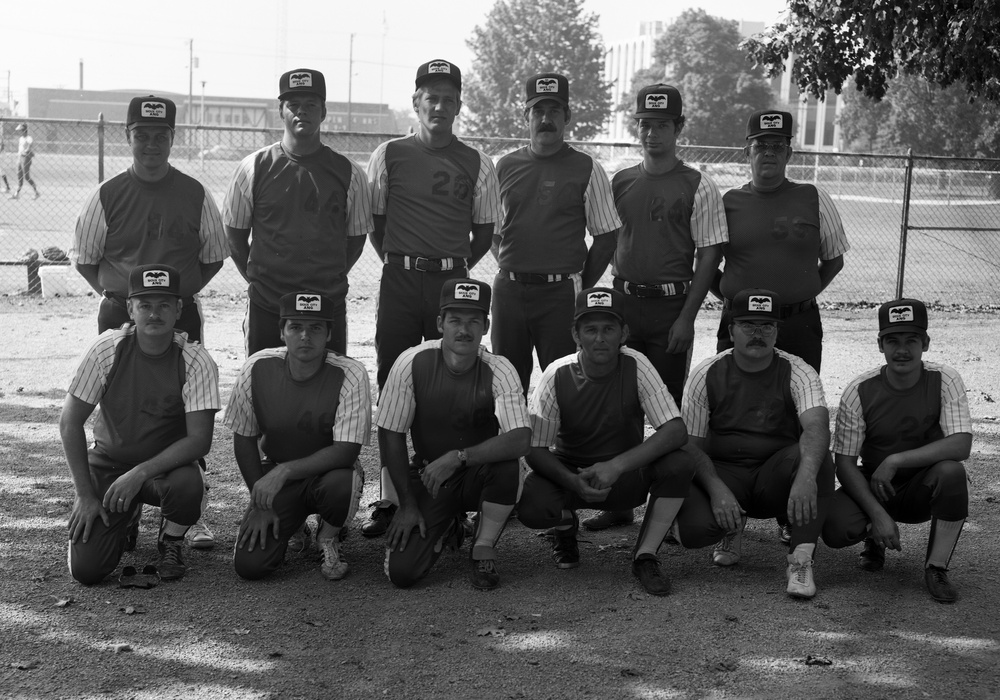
[(190, 78), (350, 82)]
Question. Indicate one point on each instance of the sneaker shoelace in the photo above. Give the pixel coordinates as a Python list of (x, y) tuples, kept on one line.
[(172, 554), (799, 572), (938, 574), (486, 566)]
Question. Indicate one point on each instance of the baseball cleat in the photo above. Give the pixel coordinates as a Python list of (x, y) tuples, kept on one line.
[(800, 577), (938, 585), (872, 557), (484, 574), (646, 568)]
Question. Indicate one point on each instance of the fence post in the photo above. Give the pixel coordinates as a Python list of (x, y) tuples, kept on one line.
[(905, 225), (100, 146)]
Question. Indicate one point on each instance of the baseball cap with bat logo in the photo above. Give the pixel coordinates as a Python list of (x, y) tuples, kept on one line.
[(600, 300), (769, 122), (151, 111), (658, 101), (466, 294), (756, 305), (305, 305), (154, 279), (902, 316), (439, 69), (546, 86), (302, 80)]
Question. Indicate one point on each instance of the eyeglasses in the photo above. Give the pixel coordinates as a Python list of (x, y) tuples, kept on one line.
[(768, 147), (766, 329)]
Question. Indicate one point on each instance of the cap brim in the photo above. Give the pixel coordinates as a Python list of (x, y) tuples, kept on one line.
[(901, 329), (755, 317), (146, 122), (654, 115), (463, 305), (302, 92), (541, 98), (770, 132), (609, 312), (151, 292)]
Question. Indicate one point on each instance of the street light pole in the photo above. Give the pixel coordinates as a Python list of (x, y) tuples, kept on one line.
[(350, 82)]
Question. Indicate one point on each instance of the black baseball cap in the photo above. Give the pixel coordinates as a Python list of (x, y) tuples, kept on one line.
[(302, 80), (145, 280), (756, 305), (769, 122), (305, 305), (600, 300), (658, 101), (902, 316), (463, 293), (151, 111), (546, 86), (437, 69)]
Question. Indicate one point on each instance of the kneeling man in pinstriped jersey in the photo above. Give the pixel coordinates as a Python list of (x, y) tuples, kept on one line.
[(308, 410)]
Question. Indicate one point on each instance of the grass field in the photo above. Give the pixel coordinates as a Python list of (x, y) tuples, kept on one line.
[(954, 267)]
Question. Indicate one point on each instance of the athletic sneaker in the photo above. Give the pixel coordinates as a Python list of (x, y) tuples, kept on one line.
[(565, 550), (872, 557), (784, 533), (728, 551), (800, 576), (609, 518), (646, 568), (378, 521), (171, 565), (334, 567), (484, 574), (938, 584), (199, 536)]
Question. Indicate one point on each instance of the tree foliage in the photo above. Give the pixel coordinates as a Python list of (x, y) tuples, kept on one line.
[(700, 55), (524, 37), (923, 116), (875, 40)]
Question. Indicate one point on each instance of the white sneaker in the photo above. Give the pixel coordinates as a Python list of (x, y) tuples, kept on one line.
[(800, 576), (199, 536), (334, 568), (727, 552)]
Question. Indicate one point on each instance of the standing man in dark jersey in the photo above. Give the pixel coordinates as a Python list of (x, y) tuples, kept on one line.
[(672, 215), (552, 195), (308, 210), (588, 448), (436, 203), (465, 412), (299, 416), (784, 236), (158, 395), (909, 423)]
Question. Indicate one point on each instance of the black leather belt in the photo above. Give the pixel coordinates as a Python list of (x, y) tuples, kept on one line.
[(785, 310), (411, 262), (669, 289), (535, 277)]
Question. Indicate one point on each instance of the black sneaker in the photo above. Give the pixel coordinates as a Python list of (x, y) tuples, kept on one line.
[(872, 557), (378, 522), (565, 550), (483, 574), (938, 585), (646, 568), (171, 565)]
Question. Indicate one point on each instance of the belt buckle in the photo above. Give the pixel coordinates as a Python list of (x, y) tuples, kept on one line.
[(427, 265), (648, 291)]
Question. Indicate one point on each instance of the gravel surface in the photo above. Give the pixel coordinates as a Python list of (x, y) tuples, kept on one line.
[(590, 632)]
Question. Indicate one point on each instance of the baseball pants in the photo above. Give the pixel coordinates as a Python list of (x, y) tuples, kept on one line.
[(178, 494), (763, 493), (800, 334), (649, 321), (530, 316), (465, 491), (334, 495), (940, 491)]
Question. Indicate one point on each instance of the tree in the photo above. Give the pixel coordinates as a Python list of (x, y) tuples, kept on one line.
[(923, 116), (876, 40), (700, 55), (524, 37)]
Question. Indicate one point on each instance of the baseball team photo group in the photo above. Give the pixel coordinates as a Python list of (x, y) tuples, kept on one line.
[(572, 442)]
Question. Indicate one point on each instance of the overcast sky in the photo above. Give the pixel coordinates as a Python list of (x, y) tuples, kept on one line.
[(241, 48)]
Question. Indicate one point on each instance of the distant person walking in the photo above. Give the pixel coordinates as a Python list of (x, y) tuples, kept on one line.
[(3, 175), (25, 154)]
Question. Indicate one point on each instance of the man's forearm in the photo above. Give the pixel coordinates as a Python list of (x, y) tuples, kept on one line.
[(340, 455), (392, 448), (704, 272), (669, 437), (546, 464), (500, 448)]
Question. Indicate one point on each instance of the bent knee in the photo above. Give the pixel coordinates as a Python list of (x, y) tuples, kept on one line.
[(950, 470), (88, 575)]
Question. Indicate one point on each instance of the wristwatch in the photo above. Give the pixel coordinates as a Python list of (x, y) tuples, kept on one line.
[(463, 458)]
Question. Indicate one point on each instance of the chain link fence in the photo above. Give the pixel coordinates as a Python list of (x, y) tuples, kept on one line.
[(924, 226)]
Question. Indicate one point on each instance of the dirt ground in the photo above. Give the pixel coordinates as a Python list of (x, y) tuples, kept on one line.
[(590, 632)]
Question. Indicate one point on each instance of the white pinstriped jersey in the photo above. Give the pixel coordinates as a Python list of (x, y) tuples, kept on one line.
[(549, 204), (432, 196), (201, 386), (546, 419), (804, 385), (127, 222), (352, 422), (898, 420), (397, 405)]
